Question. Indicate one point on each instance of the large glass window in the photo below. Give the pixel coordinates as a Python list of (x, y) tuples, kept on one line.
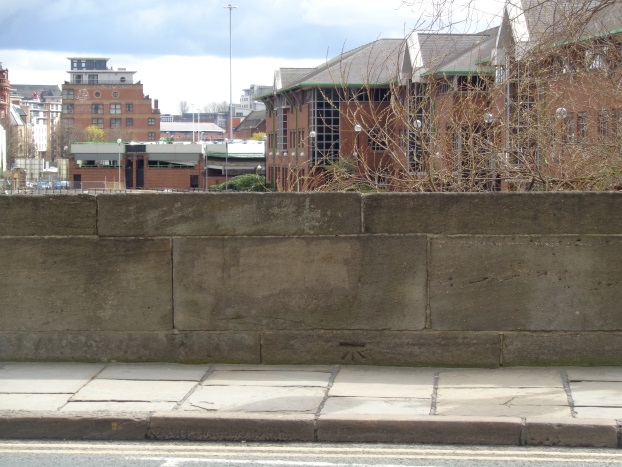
[(97, 108), (115, 108), (93, 79), (325, 122), (68, 94)]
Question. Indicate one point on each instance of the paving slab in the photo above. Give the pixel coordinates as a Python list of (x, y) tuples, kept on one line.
[(46, 378), (485, 410), (254, 399), (125, 390), (493, 402), (376, 406), (240, 367), (33, 401), (595, 374), (383, 382), (267, 378), (501, 377), (598, 412), (153, 372), (596, 394), (118, 407)]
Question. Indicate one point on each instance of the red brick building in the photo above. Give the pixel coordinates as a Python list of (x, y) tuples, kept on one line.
[(109, 99)]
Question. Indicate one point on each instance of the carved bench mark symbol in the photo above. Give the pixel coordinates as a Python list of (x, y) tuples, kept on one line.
[(354, 351)]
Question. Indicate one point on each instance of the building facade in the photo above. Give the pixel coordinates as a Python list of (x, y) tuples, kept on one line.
[(96, 95)]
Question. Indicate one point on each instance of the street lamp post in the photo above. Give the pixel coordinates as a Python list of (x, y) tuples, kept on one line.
[(230, 7), (119, 141)]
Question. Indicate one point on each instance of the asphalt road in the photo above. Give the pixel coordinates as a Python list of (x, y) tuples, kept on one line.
[(60, 454)]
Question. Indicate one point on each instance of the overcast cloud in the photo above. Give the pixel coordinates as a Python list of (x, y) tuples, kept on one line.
[(180, 49)]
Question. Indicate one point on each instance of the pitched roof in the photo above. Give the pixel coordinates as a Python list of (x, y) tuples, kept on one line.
[(252, 120), (376, 63), (473, 57), (555, 21), (26, 91), (450, 53)]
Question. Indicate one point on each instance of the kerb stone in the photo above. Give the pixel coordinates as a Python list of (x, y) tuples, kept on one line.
[(232, 427), (419, 429), (572, 433), (75, 426)]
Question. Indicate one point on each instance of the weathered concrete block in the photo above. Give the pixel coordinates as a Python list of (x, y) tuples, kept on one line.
[(177, 347), (526, 283), (562, 348), (575, 433), (239, 214), (85, 284), (419, 429), (440, 349), (370, 282), (493, 213), (48, 215), (207, 426)]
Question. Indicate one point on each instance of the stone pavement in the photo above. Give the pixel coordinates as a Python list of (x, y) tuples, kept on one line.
[(569, 406)]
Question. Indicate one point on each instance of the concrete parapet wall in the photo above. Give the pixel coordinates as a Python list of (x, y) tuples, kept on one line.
[(390, 279)]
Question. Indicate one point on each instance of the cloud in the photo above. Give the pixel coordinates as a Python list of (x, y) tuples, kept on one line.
[(169, 78)]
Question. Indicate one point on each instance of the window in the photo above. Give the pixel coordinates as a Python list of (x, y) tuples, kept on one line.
[(194, 181), (129, 122), (570, 128), (98, 122), (92, 79), (115, 94), (68, 94), (376, 140), (97, 108), (603, 125), (151, 136), (596, 59), (151, 121), (444, 87), (582, 126), (115, 108), (115, 123), (129, 107), (67, 108), (77, 79), (97, 94)]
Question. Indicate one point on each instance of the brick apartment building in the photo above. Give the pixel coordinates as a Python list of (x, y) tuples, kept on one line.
[(109, 99), (514, 107)]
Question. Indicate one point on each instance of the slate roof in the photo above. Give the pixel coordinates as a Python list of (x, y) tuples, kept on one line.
[(26, 91), (568, 20), (471, 54), (189, 126), (453, 52), (252, 120), (376, 63)]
